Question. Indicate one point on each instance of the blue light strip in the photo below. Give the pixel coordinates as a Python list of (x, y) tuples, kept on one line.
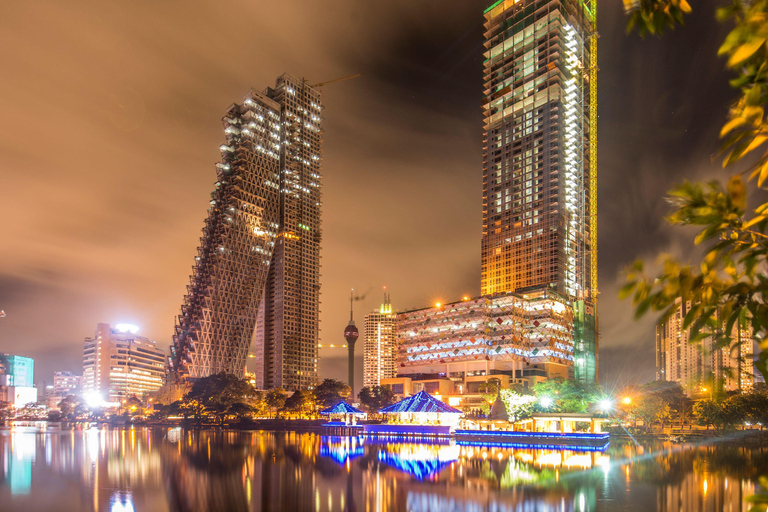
[(558, 447), (407, 430), (535, 435)]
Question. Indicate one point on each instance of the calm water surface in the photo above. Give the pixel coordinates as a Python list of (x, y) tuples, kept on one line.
[(171, 469)]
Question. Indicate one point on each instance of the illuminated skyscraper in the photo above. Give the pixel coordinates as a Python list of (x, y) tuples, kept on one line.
[(118, 363), (258, 264), (379, 348), (539, 158)]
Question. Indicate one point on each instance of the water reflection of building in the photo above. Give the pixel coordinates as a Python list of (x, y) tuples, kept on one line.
[(705, 492), (17, 463)]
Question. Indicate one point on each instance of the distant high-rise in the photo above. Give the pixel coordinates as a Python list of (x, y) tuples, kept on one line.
[(539, 158), (379, 348), (258, 264), (699, 366), (118, 363)]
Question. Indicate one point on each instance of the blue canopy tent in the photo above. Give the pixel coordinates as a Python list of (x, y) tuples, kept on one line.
[(423, 409), (342, 411)]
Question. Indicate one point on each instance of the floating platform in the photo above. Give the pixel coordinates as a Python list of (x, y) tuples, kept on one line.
[(598, 440), (339, 428), (387, 430)]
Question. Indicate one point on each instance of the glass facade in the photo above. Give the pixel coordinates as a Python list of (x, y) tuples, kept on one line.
[(20, 370)]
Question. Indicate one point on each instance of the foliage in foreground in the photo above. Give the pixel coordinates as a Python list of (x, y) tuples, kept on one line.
[(729, 285)]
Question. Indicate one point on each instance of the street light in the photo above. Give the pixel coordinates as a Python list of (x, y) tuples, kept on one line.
[(605, 405), (545, 402), (627, 400)]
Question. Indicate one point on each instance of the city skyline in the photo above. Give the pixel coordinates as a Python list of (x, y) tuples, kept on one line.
[(429, 130)]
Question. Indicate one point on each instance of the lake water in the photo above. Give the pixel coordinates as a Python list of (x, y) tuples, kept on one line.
[(166, 469)]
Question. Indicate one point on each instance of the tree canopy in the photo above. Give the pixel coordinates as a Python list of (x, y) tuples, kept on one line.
[(376, 397), (220, 395), (330, 392)]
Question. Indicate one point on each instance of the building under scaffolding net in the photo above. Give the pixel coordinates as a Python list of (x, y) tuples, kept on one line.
[(517, 335), (259, 252), (539, 158)]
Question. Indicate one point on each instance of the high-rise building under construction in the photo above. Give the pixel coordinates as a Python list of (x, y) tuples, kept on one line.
[(258, 263), (539, 158)]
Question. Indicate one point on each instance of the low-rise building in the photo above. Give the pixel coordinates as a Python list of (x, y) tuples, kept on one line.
[(454, 349)]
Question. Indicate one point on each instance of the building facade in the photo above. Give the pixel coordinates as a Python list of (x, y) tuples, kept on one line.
[(699, 367), (258, 262), (18, 370), (287, 332), (17, 380), (118, 363), (379, 345), (539, 159), (66, 383), (454, 349)]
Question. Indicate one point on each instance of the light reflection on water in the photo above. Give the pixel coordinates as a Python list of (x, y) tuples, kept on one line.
[(162, 469)]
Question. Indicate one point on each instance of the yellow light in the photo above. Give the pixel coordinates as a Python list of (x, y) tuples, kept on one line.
[(703, 389), (437, 304), (466, 297), (627, 400)]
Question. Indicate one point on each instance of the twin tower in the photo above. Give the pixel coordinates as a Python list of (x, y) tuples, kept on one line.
[(258, 263), (257, 267)]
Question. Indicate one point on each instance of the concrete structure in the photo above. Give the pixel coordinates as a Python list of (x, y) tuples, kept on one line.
[(118, 363), (700, 366), (539, 159), (379, 345), (350, 336), (258, 265), (18, 371), (453, 349)]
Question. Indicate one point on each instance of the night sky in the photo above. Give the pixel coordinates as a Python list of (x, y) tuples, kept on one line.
[(110, 127)]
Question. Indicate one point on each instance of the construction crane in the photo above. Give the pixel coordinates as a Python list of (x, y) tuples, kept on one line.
[(336, 80)]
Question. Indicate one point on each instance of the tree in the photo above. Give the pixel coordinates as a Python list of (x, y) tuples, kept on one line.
[(220, 395), (330, 392), (519, 405), (490, 387), (565, 396), (73, 407), (6, 410), (751, 407), (275, 399), (33, 411), (709, 413), (375, 398), (300, 402), (728, 287), (651, 408)]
